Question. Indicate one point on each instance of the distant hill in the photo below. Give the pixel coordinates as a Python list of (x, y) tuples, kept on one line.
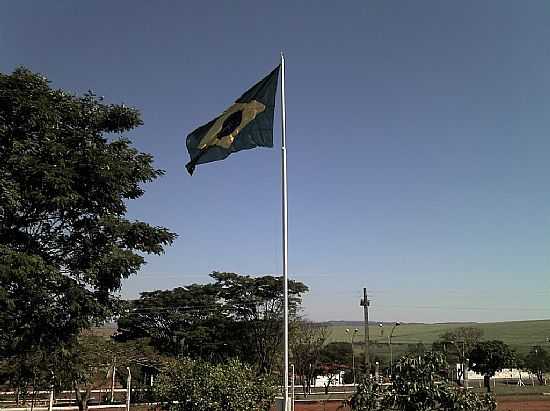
[(520, 335)]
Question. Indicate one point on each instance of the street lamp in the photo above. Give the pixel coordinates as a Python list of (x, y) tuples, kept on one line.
[(397, 323), (355, 331)]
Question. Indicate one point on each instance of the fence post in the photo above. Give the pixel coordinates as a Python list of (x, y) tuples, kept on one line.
[(128, 387), (50, 403), (113, 381), (292, 365)]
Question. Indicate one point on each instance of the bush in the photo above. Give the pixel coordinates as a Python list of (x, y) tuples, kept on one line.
[(418, 385), (196, 385)]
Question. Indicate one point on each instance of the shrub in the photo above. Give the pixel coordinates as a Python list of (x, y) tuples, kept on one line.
[(418, 385), (196, 385)]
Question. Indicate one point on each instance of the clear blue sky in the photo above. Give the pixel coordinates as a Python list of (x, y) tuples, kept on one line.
[(418, 142)]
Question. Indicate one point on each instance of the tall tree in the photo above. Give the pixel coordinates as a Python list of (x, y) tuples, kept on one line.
[(234, 316), (459, 342), (183, 321), (538, 362), (306, 342), (65, 243), (256, 305), (334, 358), (337, 352), (95, 358), (488, 357)]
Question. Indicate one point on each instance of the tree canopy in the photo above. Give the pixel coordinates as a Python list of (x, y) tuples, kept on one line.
[(457, 345), (488, 357), (462, 339), (538, 362), (307, 340), (93, 360), (66, 175), (234, 316), (179, 321), (338, 353)]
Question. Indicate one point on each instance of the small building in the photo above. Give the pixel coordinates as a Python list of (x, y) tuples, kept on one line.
[(334, 379), (505, 374)]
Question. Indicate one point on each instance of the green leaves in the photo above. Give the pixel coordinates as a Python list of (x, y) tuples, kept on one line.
[(195, 385), (65, 243), (418, 385), (488, 357), (538, 362), (235, 316)]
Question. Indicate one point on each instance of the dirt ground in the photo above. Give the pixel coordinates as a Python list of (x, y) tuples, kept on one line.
[(511, 403), (518, 403), (320, 406)]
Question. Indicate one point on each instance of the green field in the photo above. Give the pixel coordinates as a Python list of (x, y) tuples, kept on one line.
[(520, 335)]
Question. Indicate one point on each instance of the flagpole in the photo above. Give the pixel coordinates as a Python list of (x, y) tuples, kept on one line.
[(285, 227)]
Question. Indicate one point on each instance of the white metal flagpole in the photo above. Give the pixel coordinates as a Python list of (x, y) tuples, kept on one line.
[(285, 227)]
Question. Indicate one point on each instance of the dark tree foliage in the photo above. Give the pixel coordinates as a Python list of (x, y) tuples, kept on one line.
[(457, 345), (182, 321), (65, 244), (256, 306), (306, 342), (235, 316), (416, 348), (488, 357), (334, 358), (93, 360), (337, 352), (538, 362)]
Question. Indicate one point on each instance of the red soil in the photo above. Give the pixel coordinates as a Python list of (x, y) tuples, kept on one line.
[(523, 404), (511, 403)]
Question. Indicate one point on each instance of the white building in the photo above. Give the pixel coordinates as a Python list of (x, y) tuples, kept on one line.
[(335, 379), (504, 374)]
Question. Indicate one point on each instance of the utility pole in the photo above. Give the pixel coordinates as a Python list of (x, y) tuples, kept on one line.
[(365, 303)]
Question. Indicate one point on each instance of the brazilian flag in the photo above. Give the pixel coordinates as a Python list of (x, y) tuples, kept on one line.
[(248, 123)]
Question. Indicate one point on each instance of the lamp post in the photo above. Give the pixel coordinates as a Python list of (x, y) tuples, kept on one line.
[(397, 323), (352, 334)]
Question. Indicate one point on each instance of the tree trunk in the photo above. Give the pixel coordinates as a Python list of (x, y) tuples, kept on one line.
[(460, 377), (82, 399), (327, 385), (33, 394), (487, 382), (302, 378)]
